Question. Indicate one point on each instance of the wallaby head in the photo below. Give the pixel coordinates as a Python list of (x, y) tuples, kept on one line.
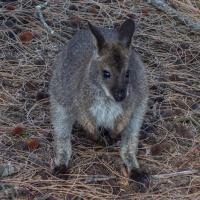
[(112, 60)]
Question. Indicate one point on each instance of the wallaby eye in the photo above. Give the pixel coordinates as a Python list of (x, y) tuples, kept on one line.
[(106, 74), (127, 74)]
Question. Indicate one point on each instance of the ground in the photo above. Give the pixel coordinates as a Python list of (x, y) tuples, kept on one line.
[(170, 135)]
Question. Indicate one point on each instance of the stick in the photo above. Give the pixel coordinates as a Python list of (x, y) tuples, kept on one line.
[(178, 90), (97, 178), (182, 173), (39, 14), (163, 6)]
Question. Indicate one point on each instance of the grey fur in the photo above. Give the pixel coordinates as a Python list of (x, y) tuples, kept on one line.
[(61, 123), (78, 95)]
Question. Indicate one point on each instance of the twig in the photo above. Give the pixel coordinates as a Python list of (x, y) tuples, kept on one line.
[(97, 178), (182, 173), (178, 90), (163, 6), (39, 14), (184, 119), (188, 5)]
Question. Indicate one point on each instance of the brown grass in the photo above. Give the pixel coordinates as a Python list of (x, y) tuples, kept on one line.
[(172, 127)]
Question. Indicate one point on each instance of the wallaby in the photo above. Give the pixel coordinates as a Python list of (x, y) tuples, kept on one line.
[(99, 81)]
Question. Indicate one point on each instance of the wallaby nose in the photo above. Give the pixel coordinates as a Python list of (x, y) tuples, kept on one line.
[(119, 95)]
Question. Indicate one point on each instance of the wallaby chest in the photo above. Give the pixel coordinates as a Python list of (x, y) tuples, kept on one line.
[(105, 112)]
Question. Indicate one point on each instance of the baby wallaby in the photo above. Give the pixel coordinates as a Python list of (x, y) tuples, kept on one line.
[(99, 81)]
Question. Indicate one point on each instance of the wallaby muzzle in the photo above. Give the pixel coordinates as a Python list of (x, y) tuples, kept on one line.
[(119, 94)]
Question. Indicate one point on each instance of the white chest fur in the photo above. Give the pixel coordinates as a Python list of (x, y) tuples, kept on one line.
[(105, 112)]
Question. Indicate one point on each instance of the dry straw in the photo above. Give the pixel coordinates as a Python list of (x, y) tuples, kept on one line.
[(171, 52)]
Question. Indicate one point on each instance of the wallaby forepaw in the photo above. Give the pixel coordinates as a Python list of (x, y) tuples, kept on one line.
[(142, 179), (61, 171)]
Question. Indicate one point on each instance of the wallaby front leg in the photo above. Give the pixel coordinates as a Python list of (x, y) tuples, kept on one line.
[(62, 124), (129, 148), (129, 145)]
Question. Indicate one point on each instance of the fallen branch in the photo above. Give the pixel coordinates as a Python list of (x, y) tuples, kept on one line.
[(182, 173), (163, 6), (185, 5), (39, 14), (97, 178), (178, 90)]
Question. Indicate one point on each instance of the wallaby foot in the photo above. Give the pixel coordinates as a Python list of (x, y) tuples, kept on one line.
[(61, 161), (61, 171), (142, 179), (61, 165)]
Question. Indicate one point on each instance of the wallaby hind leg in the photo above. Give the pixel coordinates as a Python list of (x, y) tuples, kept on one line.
[(62, 124), (129, 146)]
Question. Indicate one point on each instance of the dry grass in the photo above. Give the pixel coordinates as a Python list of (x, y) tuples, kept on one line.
[(172, 127)]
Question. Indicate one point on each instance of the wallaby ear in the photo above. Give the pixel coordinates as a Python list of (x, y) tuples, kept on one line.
[(99, 39), (126, 32)]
